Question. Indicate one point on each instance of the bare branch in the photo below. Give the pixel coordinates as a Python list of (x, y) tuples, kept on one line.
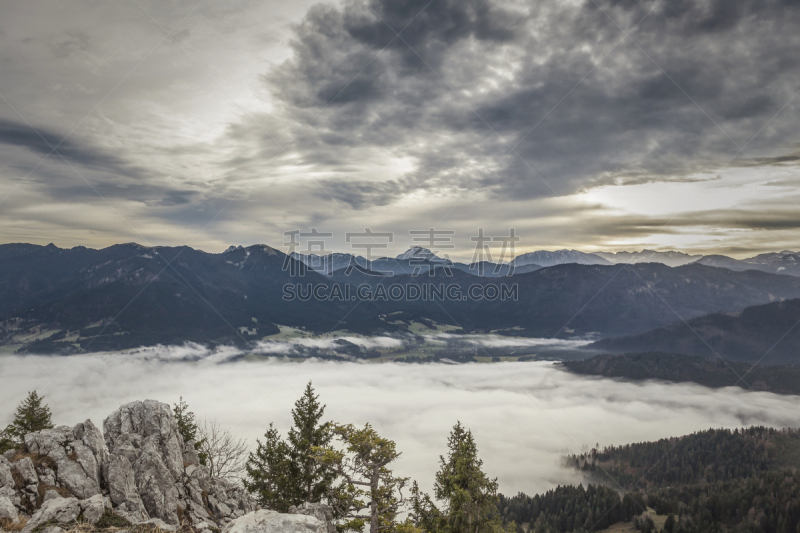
[(225, 454)]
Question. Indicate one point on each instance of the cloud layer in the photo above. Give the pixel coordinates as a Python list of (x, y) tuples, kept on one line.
[(232, 123), (524, 415), (538, 101)]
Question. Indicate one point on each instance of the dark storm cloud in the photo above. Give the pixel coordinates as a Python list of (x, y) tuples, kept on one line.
[(777, 160), (469, 85), (357, 194), (94, 171), (45, 142)]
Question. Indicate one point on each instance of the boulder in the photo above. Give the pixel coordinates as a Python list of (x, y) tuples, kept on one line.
[(78, 454), (320, 511), (160, 524), (61, 510), (8, 510), (24, 467), (50, 495), (6, 478), (93, 508), (233, 496), (265, 521)]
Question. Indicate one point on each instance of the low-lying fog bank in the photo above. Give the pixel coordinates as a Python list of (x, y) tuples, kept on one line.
[(524, 415)]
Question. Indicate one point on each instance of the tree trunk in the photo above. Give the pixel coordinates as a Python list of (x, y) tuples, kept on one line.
[(373, 485)]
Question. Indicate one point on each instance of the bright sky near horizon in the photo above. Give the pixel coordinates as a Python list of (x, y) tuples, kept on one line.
[(597, 125)]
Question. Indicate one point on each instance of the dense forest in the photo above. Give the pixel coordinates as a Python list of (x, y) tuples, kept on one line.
[(570, 508), (678, 368), (745, 480), (703, 457)]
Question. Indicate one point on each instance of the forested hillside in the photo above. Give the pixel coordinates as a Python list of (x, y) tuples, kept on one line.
[(767, 333), (745, 480), (708, 371)]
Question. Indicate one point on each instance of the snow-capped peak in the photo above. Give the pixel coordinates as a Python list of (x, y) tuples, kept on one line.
[(418, 252)]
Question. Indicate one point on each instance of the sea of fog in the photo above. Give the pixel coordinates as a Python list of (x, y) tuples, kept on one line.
[(524, 415)]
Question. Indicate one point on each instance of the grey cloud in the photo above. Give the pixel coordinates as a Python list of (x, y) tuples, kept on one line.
[(42, 141), (415, 405), (777, 160), (72, 43), (775, 218), (355, 193), (727, 69)]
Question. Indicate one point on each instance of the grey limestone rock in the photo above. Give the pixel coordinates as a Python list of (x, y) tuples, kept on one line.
[(265, 521), (62, 510), (78, 454), (8, 511)]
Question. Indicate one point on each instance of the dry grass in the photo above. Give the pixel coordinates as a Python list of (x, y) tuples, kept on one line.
[(8, 525), (38, 460), (42, 490), (85, 527)]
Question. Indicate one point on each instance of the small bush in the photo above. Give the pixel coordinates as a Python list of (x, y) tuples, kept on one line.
[(110, 519)]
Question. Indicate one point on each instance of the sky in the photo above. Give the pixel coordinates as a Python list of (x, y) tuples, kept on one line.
[(601, 125), (524, 416)]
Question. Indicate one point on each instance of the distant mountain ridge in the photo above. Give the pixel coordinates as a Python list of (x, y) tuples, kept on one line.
[(669, 258), (559, 257), (128, 295), (784, 262), (416, 260), (767, 333)]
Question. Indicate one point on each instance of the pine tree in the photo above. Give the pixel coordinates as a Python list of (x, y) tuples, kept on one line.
[(284, 473), (187, 426), (469, 495), (669, 524), (268, 473), (31, 415), (312, 480)]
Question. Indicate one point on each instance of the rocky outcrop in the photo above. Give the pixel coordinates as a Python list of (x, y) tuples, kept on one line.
[(76, 456), (264, 521), (320, 511), (8, 486), (61, 510), (138, 466), (8, 511), (152, 474)]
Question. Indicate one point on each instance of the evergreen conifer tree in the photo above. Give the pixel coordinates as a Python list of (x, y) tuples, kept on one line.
[(284, 473), (311, 479), (468, 494), (31, 415), (268, 473), (187, 426)]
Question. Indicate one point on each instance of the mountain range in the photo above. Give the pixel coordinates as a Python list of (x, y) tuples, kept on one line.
[(764, 334), (416, 260), (54, 299), (784, 262)]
